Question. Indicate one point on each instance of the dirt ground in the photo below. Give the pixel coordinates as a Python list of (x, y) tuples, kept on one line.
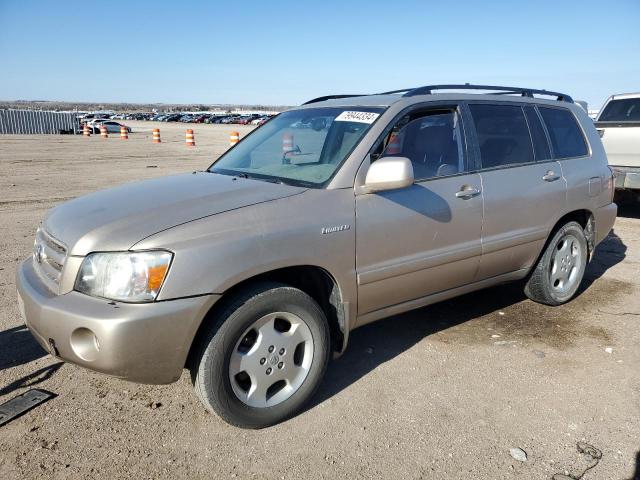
[(442, 392)]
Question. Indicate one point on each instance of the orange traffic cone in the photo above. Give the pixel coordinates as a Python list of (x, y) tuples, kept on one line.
[(234, 138), (190, 139), (86, 131), (103, 132), (124, 133), (287, 143), (393, 147), (156, 135)]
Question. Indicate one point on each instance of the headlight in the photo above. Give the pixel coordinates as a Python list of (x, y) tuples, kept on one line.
[(125, 276)]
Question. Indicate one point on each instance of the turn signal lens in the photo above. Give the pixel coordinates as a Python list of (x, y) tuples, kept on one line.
[(156, 276)]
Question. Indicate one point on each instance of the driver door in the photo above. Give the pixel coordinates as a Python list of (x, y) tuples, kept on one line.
[(424, 239)]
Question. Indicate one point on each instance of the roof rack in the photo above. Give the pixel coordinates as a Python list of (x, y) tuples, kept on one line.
[(428, 90), (525, 92), (330, 97)]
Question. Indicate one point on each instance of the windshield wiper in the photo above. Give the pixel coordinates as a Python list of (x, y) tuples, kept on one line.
[(279, 180), (274, 180)]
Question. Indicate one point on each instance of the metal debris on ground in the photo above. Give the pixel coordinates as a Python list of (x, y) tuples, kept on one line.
[(593, 456), (21, 404)]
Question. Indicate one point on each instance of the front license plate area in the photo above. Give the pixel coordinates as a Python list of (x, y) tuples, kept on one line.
[(21, 404)]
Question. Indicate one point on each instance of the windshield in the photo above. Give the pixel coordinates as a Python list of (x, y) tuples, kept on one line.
[(301, 147), (624, 110)]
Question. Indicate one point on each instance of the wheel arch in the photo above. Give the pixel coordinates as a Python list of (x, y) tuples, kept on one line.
[(584, 218), (315, 281)]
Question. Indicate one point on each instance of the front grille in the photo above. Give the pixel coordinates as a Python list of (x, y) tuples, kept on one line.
[(49, 256)]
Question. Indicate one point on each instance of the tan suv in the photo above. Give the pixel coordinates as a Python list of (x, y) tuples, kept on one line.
[(332, 215)]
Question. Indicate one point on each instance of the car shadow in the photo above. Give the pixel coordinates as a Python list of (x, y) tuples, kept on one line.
[(609, 252), (381, 341), (17, 347), (378, 342), (32, 379), (636, 475)]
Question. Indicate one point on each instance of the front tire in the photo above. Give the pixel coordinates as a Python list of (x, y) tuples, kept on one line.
[(264, 356), (559, 272)]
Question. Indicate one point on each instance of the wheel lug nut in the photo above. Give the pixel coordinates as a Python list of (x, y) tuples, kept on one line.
[(282, 351), (269, 371), (271, 349), (262, 361), (280, 365)]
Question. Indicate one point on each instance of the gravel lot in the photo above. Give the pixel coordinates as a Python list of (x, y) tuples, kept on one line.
[(442, 392)]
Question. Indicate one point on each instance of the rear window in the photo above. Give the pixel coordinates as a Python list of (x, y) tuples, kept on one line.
[(625, 110), (503, 135), (566, 137)]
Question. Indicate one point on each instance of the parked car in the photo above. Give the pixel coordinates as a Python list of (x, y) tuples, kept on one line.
[(89, 117), (253, 273), (619, 126), (217, 119), (111, 125)]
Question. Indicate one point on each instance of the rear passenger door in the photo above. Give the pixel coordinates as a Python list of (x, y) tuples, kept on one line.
[(586, 176), (523, 187)]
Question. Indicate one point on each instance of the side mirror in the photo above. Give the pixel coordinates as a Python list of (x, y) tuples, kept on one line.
[(389, 173)]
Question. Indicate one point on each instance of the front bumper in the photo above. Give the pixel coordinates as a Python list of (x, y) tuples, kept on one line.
[(627, 177), (146, 343)]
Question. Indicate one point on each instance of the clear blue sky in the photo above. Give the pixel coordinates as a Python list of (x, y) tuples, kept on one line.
[(285, 52)]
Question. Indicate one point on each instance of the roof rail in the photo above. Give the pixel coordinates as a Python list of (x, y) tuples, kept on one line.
[(428, 90), (330, 97), (525, 92), (395, 91)]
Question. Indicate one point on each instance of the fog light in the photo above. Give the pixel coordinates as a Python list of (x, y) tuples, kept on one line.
[(85, 344)]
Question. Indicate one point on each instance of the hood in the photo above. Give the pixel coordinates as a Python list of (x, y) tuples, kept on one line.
[(117, 218)]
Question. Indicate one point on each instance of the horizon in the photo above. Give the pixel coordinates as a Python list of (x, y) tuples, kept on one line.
[(168, 54)]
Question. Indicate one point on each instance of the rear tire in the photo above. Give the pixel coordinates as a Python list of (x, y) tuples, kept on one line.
[(559, 271), (263, 357)]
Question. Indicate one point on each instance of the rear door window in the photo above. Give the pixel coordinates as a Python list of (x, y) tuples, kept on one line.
[(566, 137), (503, 135), (539, 138)]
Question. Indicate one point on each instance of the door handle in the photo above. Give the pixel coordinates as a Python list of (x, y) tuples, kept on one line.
[(467, 192), (550, 176)]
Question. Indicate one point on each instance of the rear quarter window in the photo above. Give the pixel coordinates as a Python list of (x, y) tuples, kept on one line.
[(566, 136)]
